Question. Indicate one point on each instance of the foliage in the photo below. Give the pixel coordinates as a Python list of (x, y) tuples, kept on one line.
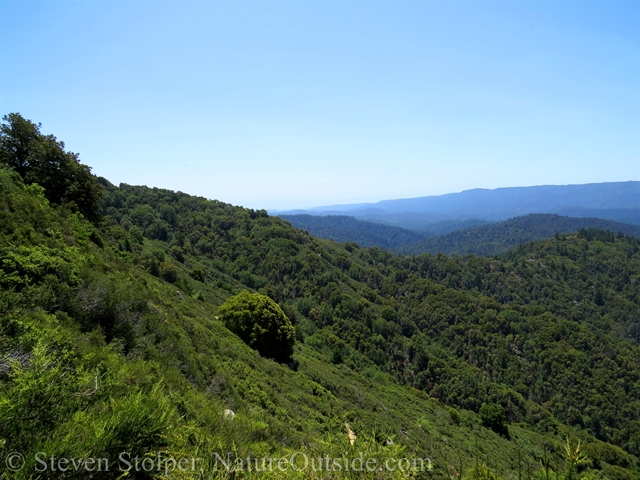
[(458, 239), (500, 237), (574, 458), (480, 472), (492, 416), (260, 323), (168, 272), (341, 228), (522, 331), (42, 159)]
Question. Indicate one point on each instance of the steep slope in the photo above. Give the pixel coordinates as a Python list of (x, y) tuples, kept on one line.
[(502, 236), (99, 357), (146, 355), (466, 331)]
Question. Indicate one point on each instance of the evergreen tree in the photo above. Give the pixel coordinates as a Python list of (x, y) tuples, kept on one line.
[(42, 159)]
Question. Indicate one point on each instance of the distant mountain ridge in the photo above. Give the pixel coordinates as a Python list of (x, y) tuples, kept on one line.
[(500, 237), (342, 229), (591, 195), (618, 201)]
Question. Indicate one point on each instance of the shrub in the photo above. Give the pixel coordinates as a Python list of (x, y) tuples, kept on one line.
[(177, 253), (455, 416), (168, 272), (115, 307), (260, 323), (136, 234), (492, 416), (198, 296), (197, 274)]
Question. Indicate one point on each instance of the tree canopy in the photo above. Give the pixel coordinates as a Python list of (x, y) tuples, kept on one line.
[(260, 323), (492, 416), (42, 159)]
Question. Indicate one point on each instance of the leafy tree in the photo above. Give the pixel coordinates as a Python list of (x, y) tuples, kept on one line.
[(177, 253), (168, 272), (260, 323), (492, 416), (42, 159), (197, 274)]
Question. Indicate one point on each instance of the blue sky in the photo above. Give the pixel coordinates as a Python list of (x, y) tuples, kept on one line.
[(284, 105)]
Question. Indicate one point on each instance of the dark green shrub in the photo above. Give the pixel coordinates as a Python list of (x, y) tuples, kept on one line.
[(115, 308), (336, 356), (492, 416), (177, 253), (198, 296), (168, 272), (197, 274), (159, 254), (260, 323)]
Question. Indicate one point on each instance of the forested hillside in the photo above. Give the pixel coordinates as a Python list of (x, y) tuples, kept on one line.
[(341, 228), (467, 330), (483, 240), (110, 341), (500, 237)]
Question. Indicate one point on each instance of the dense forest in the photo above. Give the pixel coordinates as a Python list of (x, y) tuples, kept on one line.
[(424, 223), (341, 228), (500, 237), (482, 240), (465, 330), (519, 366)]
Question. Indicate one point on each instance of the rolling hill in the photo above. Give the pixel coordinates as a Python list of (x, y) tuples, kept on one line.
[(618, 201), (341, 228), (500, 237)]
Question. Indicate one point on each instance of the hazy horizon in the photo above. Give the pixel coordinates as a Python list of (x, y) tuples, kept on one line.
[(276, 211), (286, 106)]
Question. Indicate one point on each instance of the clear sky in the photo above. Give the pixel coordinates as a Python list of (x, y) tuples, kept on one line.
[(294, 104)]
